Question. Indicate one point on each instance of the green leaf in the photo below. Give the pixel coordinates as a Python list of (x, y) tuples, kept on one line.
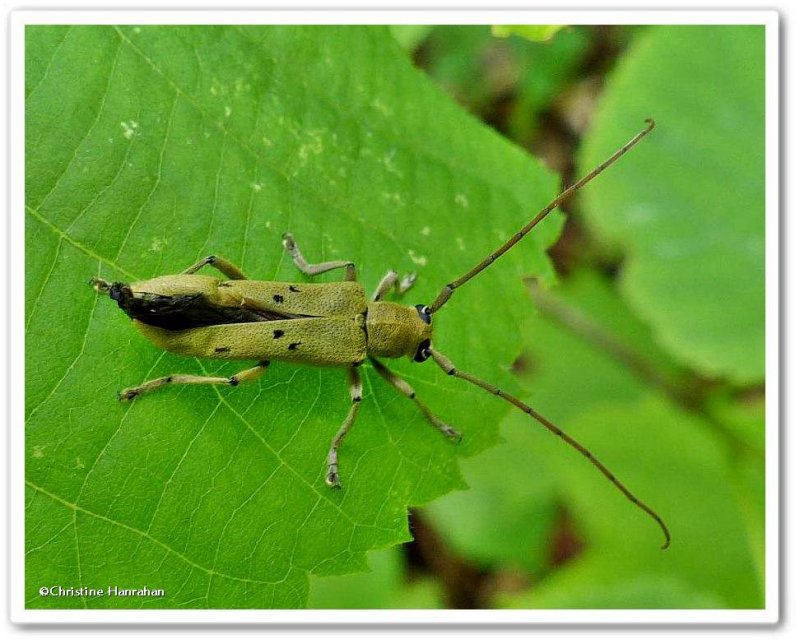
[(646, 592), (688, 208), (150, 147), (384, 586), (536, 33)]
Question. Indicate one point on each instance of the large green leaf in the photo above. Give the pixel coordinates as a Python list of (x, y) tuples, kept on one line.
[(689, 209), (150, 147)]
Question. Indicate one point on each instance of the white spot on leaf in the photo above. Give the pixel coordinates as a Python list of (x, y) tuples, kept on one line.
[(240, 86), (394, 197), (388, 162), (129, 128), (381, 107), (417, 259), (461, 200), (312, 146)]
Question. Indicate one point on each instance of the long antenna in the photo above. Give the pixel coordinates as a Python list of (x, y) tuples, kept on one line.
[(449, 368), (447, 291)]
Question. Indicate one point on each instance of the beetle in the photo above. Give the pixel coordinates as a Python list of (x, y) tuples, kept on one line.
[(331, 324)]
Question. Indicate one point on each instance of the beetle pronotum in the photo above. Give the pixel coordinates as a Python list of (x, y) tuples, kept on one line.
[(330, 324)]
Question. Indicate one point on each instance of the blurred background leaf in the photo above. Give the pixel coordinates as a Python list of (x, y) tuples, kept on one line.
[(385, 585), (688, 214), (536, 33)]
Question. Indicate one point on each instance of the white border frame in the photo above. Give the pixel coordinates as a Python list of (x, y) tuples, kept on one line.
[(19, 614)]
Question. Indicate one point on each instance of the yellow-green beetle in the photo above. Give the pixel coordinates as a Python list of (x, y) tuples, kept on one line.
[(332, 324)]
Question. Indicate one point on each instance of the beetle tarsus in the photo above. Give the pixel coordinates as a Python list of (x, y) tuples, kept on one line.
[(127, 394), (99, 285), (406, 283), (288, 241), (332, 478)]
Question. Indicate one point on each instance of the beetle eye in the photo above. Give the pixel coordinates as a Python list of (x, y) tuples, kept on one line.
[(423, 351), (424, 313)]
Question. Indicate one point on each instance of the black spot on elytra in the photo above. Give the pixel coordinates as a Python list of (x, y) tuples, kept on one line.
[(221, 350), (277, 333), (294, 289), (294, 345), (277, 298)]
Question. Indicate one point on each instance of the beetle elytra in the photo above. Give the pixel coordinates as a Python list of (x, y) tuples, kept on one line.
[(331, 324)]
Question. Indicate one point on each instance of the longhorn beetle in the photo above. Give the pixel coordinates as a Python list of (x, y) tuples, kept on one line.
[(330, 324)]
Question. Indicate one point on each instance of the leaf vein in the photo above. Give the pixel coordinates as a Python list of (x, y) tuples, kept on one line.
[(77, 508)]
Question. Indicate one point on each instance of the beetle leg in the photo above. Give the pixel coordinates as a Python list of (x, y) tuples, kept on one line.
[(385, 285), (332, 477), (390, 280), (186, 379), (316, 269), (229, 270), (404, 388)]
